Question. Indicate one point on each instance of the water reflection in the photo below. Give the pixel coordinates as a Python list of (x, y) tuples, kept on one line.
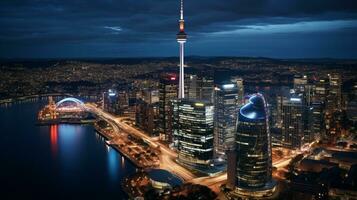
[(70, 138), (122, 162), (113, 163), (54, 139)]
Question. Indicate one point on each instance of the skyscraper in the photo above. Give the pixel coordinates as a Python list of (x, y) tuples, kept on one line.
[(240, 87), (253, 147), (334, 95), (300, 82), (193, 130), (321, 91), (167, 93), (319, 106), (225, 106), (318, 119), (181, 39), (111, 101), (293, 122), (200, 86), (297, 116), (302, 86), (147, 116)]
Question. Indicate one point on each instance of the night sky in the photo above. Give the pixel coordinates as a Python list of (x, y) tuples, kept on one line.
[(145, 28)]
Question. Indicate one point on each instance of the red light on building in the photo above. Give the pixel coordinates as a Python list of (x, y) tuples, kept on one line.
[(173, 78)]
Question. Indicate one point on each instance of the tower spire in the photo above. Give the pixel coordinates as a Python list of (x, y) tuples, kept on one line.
[(181, 12), (181, 39)]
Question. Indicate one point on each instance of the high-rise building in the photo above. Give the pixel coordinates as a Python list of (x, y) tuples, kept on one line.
[(168, 86), (321, 91), (129, 97), (123, 99), (308, 117), (319, 101), (318, 118), (334, 97), (293, 122), (150, 95), (111, 101), (253, 147), (147, 117), (231, 168), (300, 82), (240, 87), (191, 85), (225, 118), (193, 130), (181, 39), (302, 86), (351, 112), (200, 86)]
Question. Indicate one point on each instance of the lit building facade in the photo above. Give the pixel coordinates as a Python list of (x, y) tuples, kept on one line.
[(334, 98), (123, 100), (193, 130), (318, 119), (253, 148), (240, 89), (111, 101), (303, 86), (147, 117), (225, 118), (321, 91), (351, 112), (150, 95), (293, 124), (200, 86), (168, 88)]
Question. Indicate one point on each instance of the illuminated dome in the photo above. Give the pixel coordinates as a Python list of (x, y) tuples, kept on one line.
[(161, 179), (255, 109)]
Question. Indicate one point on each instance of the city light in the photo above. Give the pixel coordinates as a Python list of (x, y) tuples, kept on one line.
[(295, 99), (228, 86), (236, 117)]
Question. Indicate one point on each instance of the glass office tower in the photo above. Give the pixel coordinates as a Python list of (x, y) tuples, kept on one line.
[(253, 147), (225, 118), (168, 86), (193, 131)]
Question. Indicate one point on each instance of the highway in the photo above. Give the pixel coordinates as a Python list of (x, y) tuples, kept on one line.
[(167, 155)]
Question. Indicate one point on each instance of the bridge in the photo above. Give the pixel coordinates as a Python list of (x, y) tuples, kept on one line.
[(68, 108), (69, 105)]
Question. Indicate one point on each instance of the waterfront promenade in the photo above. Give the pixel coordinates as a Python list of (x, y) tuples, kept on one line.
[(167, 156)]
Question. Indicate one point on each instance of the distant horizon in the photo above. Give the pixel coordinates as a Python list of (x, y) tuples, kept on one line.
[(174, 57)]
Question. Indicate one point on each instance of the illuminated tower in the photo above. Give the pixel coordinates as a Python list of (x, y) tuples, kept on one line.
[(181, 39), (253, 149)]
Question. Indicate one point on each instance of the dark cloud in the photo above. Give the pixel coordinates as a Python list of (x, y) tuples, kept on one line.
[(133, 28)]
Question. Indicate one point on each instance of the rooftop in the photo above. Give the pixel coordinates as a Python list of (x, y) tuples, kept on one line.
[(255, 109), (163, 176)]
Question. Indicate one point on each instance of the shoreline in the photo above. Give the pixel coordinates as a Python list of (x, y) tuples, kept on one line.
[(55, 122), (116, 148)]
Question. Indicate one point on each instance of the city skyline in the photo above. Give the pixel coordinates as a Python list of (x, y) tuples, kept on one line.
[(209, 127), (84, 29)]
